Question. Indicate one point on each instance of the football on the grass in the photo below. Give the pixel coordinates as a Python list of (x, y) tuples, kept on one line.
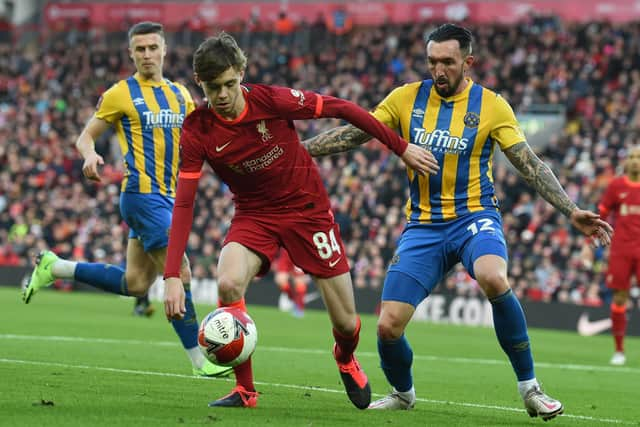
[(227, 336)]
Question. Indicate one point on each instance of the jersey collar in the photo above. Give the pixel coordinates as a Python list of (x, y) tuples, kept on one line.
[(629, 182), (149, 83), (240, 116), (462, 95)]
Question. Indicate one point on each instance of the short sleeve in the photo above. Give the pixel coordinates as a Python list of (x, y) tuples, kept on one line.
[(109, 106), (387, 111), (190, 104), (609, 200), (191, 152), (506, 130)]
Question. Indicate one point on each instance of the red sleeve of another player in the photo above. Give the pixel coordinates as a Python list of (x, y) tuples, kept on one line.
[(608, 202), (182, 219)]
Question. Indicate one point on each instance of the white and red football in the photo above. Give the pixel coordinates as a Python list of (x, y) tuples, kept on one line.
[(227, 336)]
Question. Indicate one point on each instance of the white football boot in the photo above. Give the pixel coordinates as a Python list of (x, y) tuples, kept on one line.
[(540, 405), (396, 400), (618, 359)]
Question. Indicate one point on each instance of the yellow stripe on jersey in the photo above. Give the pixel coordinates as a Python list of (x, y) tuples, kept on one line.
[(461, 132), (450, 163), (429, 123), (147, 117)]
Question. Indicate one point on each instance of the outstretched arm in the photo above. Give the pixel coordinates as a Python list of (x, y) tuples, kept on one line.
[(337, 140), (542, 179), (348, 137)]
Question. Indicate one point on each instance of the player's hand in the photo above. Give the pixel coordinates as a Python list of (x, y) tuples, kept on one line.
[(174, 306), (420, 160), (90, 166), (591, 225)]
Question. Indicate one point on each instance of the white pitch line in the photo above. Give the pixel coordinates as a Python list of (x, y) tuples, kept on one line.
[(462, 360), (299, 387)]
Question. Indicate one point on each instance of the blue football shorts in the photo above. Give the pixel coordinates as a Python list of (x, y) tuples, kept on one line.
[(148, 217), (426, 252)]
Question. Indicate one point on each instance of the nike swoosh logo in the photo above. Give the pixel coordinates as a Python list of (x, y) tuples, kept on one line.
[(333, 263), (588, 328), (219, 148)]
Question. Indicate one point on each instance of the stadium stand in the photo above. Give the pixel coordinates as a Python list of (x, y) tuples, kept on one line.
[(47, 91)]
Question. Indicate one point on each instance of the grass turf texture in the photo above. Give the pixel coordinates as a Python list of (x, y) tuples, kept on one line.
[(78, 359)]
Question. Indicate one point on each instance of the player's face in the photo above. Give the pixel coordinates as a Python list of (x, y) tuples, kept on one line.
[(632, 164), (224, 93), (447, 66), (147, 52)]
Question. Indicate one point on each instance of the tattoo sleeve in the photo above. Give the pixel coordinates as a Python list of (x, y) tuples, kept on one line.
[(540, 177), (337, 140)]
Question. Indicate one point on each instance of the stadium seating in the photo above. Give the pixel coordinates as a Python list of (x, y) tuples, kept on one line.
[(47, 92)]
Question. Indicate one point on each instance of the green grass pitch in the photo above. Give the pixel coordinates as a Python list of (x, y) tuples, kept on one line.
[(81, 359)]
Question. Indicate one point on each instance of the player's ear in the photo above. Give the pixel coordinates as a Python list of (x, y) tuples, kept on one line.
[(468, 61), (197, 79)]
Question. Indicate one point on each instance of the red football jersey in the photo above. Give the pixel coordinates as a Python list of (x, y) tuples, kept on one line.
[(258, 155), (621, 200)]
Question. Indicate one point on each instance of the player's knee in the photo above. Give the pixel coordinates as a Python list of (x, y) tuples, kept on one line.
[(138, 282), (136, 288), (390, 328), (493, 283), (229, 289), (346, 325), (620, 298)]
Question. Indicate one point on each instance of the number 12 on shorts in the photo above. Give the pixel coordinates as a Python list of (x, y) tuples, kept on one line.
[(326, 244), (483, 224)]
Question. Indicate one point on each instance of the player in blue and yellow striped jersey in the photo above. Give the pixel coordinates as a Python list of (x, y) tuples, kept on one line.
[(452, 213), (146, 110)]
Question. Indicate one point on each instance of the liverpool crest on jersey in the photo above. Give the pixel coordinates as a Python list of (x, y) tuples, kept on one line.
[(263, 131)]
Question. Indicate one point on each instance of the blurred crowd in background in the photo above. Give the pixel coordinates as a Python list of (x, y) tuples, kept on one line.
[(49, 89)]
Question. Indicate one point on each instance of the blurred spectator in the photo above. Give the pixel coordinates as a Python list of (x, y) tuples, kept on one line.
[(284, 28)]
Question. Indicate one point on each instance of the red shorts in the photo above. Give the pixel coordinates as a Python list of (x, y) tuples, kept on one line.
[(622, 265), (311, 238)]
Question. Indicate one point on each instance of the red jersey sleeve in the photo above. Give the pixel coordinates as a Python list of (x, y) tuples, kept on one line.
[(608, 203), (191, 160), (295, 104)]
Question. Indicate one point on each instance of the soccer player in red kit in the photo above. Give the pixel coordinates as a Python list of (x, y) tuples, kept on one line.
[(291, 281), (246, 134), (621, 200)]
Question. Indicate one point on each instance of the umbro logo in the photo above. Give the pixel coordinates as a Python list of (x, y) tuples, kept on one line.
[(418, 112), (138, 101), (219, 148)]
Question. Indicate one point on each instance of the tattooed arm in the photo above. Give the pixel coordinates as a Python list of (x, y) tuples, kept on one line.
[(337, 140), (540, 177)]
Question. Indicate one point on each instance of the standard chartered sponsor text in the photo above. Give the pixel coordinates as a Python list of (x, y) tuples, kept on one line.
[(263, 161)]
